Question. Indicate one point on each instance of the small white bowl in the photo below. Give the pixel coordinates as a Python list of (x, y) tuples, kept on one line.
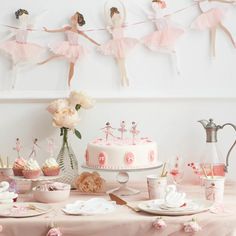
[(45, 196)]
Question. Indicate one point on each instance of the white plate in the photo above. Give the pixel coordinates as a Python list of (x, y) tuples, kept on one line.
[(93, 206), (21, 210), (153, 206)]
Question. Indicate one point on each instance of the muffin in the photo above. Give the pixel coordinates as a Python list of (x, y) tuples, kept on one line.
[(18, 166), (31, 169), (51, 167)]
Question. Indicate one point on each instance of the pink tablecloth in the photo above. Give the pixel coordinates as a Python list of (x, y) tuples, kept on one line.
[(124, 221)]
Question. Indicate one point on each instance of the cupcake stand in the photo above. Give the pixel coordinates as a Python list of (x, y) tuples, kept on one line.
[(37, 181), (122, 178)]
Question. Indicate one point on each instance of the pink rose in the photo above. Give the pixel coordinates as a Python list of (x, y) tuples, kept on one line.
[(151, 156), (192, 226), (67, 117), (129, 158), (54, 232), (57, 106), (159, 224), (87, 156), (82, 99)]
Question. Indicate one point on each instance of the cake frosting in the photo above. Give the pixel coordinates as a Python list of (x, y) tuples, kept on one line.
[(50, 163), (119, 153), (32, 165)]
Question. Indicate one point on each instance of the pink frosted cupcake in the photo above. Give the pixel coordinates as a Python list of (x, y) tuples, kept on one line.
[(31, 169), (18, 166), (51, 167)]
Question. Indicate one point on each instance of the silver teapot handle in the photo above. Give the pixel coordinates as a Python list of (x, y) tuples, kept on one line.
[(231, 148)]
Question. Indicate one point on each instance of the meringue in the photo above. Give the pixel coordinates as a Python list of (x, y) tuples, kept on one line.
[(174, 199)]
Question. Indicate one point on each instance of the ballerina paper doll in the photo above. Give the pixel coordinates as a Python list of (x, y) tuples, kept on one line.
[(71, 49), (16, 45), (163, 40), (211, 18), (119, 46)]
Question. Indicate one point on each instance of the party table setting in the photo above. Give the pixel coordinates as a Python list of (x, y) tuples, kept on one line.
[(54, 199)]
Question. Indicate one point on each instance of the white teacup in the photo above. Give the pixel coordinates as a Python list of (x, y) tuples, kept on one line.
[(156, 186), (214, 188)]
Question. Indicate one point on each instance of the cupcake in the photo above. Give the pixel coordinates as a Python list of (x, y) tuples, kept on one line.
[(18, 166), (51, 167), (31, 169)]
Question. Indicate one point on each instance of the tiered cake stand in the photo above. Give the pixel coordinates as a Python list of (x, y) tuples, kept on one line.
[(123, 178)]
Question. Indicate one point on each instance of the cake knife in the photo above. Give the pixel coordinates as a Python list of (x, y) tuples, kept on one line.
[(120, 201)]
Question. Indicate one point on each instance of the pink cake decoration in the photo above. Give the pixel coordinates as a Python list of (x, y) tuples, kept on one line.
[(87, 156), (129, 158), (102, 158), (151, 156)]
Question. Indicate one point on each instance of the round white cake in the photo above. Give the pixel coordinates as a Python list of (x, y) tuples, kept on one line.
[(121, 154)]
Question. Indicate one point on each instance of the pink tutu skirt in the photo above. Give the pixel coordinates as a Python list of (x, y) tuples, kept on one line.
[(21, 52), (208, 19), (69, 51), (118, 48), (165, 38)]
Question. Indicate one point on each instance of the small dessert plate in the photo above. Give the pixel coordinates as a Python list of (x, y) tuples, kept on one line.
[(24, 209), (158, 207), (94, 206)]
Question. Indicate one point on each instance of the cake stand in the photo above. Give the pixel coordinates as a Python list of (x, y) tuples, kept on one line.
[(123, 178), (37, 181)]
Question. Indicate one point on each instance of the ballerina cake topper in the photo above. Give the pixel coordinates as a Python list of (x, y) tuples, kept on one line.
[(18, 147), (122, 129), (108, 130), (51, 146), (119, 46), (35, 148), (21, 52), (134, 131), (71, 49)]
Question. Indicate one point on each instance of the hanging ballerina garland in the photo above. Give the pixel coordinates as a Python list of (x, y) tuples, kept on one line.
[(211, 18), (119, 46), (71, 49), (164, 39), (22, 53)]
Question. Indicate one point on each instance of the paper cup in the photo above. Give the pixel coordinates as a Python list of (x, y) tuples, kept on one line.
[(156, 186), (214, 188)]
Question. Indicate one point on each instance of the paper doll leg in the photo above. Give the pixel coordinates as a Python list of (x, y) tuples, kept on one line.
[(71, 73), (15, 71), (213, 41), (122, 68), (229, 34), (49, 59), (175, 61)]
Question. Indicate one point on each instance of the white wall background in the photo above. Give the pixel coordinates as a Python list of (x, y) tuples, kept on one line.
[(172, 122)]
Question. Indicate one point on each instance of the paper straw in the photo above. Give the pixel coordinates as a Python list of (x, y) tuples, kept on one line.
[(8, 162), (204, 171), (1, 162), (163, 170), (212, 172)]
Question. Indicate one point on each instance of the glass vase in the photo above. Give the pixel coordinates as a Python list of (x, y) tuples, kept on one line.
[(67, 161)]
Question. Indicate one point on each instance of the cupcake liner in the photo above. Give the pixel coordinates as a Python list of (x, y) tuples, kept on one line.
[(17, 172), (31, 174), (47, 171)]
